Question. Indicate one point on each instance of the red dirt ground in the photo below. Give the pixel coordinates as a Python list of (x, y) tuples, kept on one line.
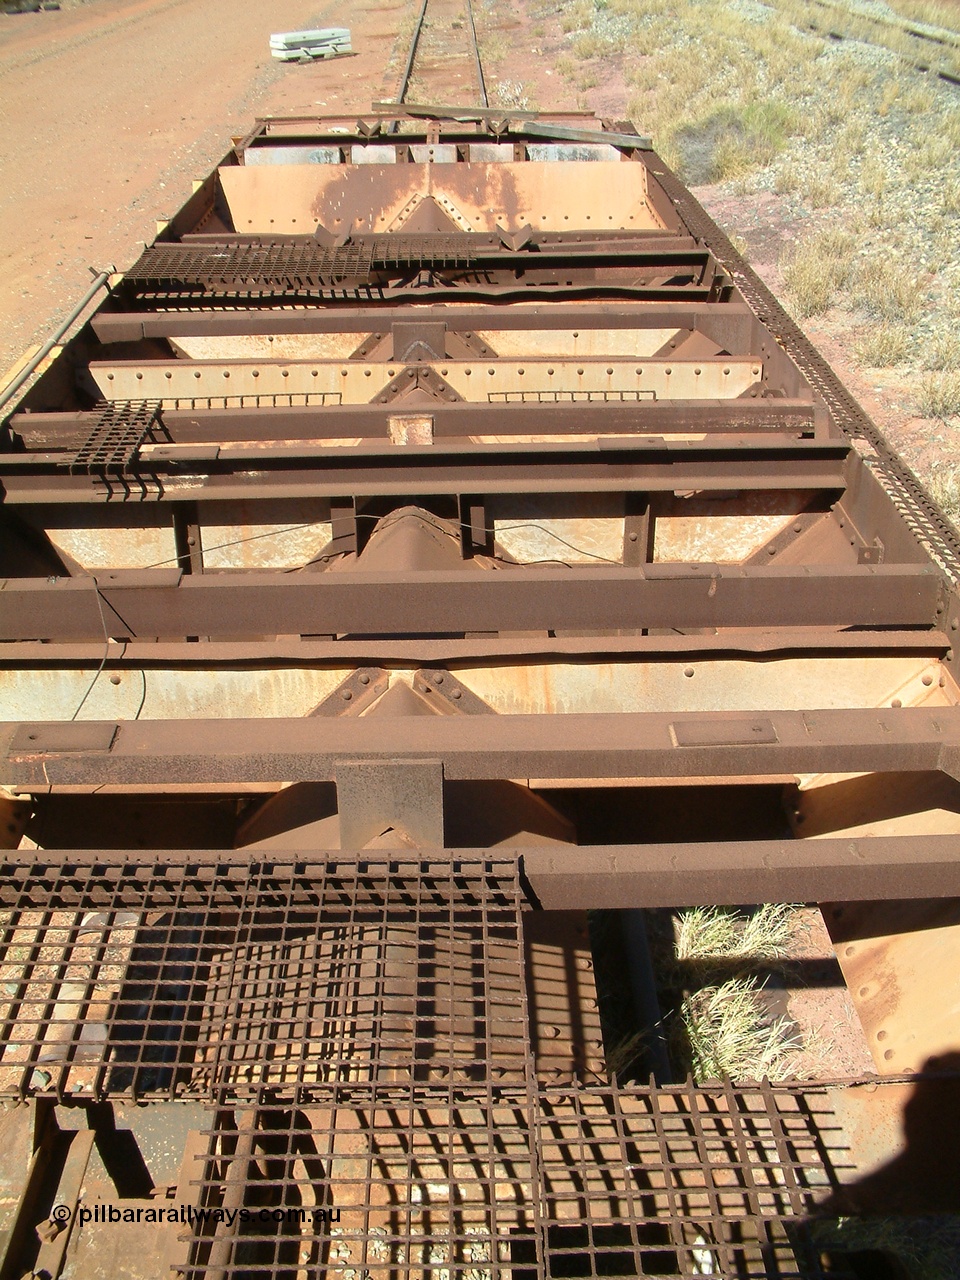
[(110, 108)]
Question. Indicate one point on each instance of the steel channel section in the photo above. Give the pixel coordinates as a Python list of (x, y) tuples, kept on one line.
[(167, 604), (240, 474), (450, 421), (825, 642), (609, 876), (129, 326)]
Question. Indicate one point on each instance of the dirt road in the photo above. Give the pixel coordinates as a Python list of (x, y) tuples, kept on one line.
[(108, 110)]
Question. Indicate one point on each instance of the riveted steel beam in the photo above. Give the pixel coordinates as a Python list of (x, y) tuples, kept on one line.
[(167, 604)]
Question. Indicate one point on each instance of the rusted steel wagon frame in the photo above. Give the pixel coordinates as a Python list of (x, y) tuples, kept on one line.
[(440, 526)]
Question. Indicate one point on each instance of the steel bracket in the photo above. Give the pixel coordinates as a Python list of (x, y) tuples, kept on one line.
[(448, 696), (416, 378), (359, 691), (377, 796)]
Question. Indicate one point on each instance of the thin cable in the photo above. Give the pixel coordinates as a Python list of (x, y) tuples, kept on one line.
[(579, 550), (273, 533), (103, 660), (143, 696), (506, 529), (387, 523)]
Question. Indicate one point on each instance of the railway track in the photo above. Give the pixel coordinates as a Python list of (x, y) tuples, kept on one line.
[(930, 48), (437, 533), (448, 16)]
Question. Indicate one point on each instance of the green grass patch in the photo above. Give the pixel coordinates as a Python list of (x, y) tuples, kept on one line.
[(732, 141)]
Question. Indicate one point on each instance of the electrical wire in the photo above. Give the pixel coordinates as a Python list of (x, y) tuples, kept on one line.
[(365, 515), (106, 651), (236, 542), (581, 551), (292, 529), (143, 696)]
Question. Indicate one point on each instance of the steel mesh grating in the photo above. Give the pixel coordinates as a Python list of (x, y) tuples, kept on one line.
[(120, 429), (183, 979), (686, 1180), (489, 1182), (293, 265), (419, 1182), (360, 1029)]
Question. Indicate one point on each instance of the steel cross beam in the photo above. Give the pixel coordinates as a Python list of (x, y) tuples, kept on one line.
[(312, 471), (733, 319), (557, 878), (451, 422), (730, 872), (164, 603), (629, 746), (347, 651)]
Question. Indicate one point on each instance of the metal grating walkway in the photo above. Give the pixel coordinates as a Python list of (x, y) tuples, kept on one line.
[(484, 1182), (175, 980), (359, 1030), (120, 428)]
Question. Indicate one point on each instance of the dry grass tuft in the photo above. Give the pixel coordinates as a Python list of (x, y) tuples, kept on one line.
[(943, 353), (939, 394), (817, 268), (726, 1033), (928, 1247), (513, 95), (884, 346), (723, 1028), (944, 488), (711, 933), (883, 287)]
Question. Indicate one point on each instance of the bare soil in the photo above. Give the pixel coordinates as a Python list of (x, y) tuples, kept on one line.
[(110, 108)]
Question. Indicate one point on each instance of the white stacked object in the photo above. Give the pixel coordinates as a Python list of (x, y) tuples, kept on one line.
[(294, 46)]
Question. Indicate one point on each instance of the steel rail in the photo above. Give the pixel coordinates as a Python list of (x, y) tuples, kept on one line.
[(11, 389), (476, 54), (411, 56), (414, 46)]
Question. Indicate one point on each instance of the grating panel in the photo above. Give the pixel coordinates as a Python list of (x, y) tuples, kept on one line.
[(686, 1180), (293, 265), (483, 1182), (120, 429), (417, 1182), (179, 979)]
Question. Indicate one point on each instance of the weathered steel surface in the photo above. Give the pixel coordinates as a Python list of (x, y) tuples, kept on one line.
[(168, 604), (627, 745), (675, 875), (277, 485)]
